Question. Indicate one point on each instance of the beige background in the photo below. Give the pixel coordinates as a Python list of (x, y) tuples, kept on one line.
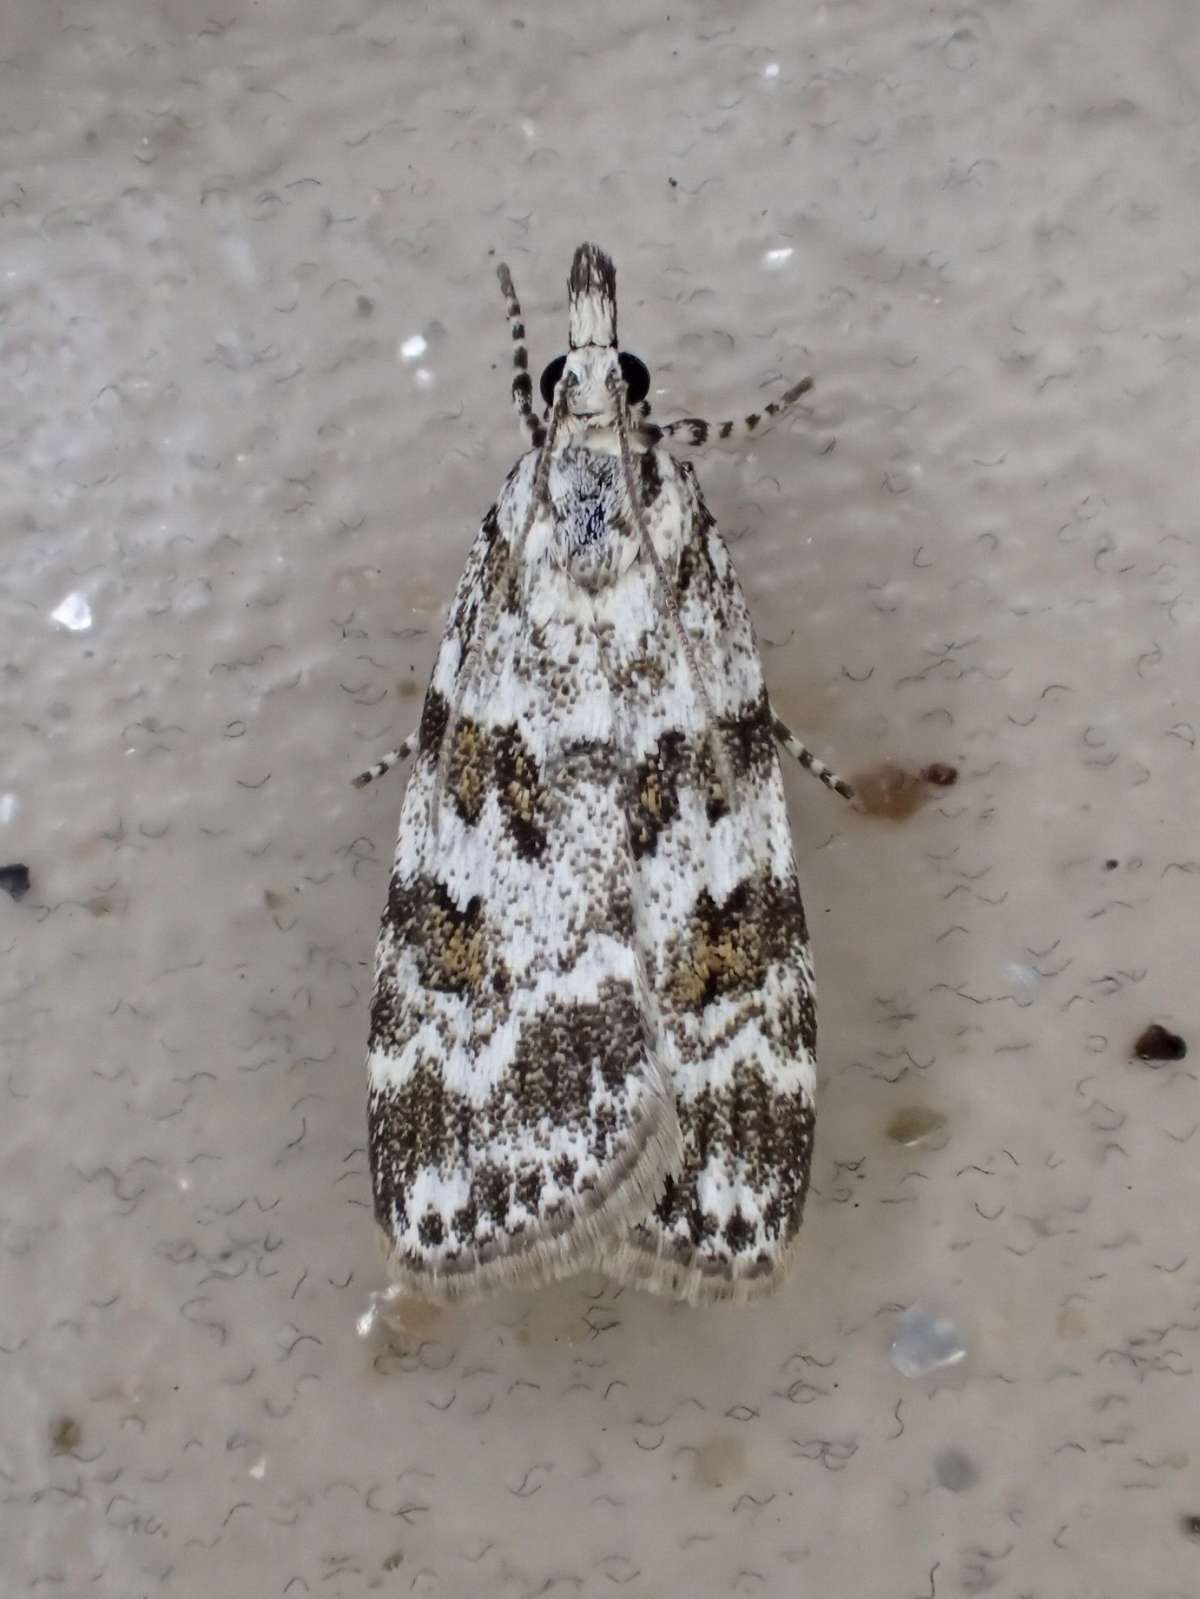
[(233, 511)]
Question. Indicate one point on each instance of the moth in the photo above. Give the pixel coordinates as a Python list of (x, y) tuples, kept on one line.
[(593, 1033)]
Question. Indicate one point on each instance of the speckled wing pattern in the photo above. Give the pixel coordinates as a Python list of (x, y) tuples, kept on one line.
[(518, 1111), (720, 922), (593, 1032)]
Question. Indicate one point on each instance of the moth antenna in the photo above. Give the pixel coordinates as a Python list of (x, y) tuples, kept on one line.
[(468, 671), (392, 758), (800, 751), (715, 742), (696, 431), (522, 384)]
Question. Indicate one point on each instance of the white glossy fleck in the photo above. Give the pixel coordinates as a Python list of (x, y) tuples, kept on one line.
[(412, 349), (774, 259), (259, 1469), (9, 806), (73, 613), (378, 1302), (925, 1343), (771, 70), (424, 377)]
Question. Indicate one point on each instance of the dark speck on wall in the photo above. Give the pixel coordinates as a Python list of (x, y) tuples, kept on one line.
[(66, 1435), (940, 773), (14, 880), (955, 1471), (1158, 1043)]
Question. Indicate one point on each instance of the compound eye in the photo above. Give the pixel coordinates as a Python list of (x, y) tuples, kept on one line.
[(637, 378), (550, 379)]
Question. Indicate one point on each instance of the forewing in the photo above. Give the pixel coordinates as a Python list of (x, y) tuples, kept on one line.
[(518, 1115), (720, 921)]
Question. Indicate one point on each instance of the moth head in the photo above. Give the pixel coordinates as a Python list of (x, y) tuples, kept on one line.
[(594, 368)]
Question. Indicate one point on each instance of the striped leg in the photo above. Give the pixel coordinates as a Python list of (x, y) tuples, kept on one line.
[(807, 759), (392, 758), (522, 386), (695, 430)]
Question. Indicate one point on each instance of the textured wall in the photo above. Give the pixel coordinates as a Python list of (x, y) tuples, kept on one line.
[(235, 499)]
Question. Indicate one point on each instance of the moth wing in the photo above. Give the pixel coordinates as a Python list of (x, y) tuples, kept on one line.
[(720, 922), (518, 1115)]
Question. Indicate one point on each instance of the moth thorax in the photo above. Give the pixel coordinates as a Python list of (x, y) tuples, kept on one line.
[(587, 498), (592, 293)]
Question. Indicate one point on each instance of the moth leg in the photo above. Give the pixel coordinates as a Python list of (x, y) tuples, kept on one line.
[(695, 430), (801, 752), (522, 384), (392, 758)]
